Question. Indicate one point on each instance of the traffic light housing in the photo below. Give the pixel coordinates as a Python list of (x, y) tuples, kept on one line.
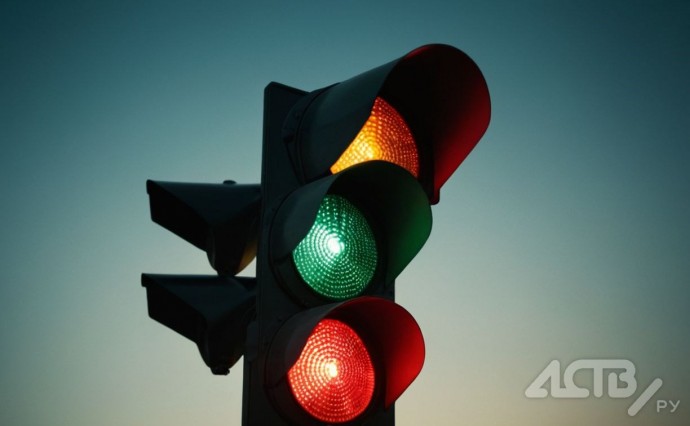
[(212, 311), (349, 174), (437, 90), (221, 219), (344, 360), (345, 232)]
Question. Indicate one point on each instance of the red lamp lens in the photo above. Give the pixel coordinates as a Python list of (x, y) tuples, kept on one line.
[(333, 379)]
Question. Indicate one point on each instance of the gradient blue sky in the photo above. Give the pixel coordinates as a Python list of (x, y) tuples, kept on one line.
[(565, 234)]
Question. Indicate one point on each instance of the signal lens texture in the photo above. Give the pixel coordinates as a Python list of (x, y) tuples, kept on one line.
[(338, 257), (333, 379), (385, 136)]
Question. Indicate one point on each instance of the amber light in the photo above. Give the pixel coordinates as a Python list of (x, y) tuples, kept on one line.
[(333, 379), (385, 136)]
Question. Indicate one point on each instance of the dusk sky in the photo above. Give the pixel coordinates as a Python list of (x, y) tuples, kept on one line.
[(565, 235)]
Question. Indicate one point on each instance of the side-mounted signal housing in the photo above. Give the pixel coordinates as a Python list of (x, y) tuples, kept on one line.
[(221, 219), (211, 311)]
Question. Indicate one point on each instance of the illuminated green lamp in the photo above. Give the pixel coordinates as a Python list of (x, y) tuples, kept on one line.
[(338, 256), (333, 241)]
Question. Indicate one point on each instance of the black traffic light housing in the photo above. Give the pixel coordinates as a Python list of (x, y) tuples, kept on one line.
[(395, 344), (389, 196), (221, 219), (437, 88), (211, 311)]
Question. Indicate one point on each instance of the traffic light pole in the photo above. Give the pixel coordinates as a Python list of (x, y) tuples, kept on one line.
[(277, 180)]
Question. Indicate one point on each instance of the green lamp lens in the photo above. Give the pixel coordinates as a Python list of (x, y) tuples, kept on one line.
[(337, 258)]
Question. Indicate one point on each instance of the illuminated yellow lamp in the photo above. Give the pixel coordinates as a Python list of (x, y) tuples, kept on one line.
[(385, 136)]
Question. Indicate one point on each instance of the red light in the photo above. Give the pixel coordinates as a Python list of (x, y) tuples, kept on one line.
[(333, 379)]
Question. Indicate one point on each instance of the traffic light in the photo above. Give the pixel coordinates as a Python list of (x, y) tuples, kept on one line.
[(212, 311), (349, 174)]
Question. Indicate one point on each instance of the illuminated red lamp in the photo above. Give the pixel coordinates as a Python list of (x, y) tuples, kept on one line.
[(342, 362), (333, 379)]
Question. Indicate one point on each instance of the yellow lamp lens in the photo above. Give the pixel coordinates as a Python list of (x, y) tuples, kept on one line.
[(385, 136)]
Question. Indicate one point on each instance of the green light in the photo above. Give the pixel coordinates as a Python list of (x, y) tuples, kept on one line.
[(337, 258)]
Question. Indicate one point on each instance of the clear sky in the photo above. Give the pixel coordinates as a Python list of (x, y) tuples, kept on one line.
[(564, 235)]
